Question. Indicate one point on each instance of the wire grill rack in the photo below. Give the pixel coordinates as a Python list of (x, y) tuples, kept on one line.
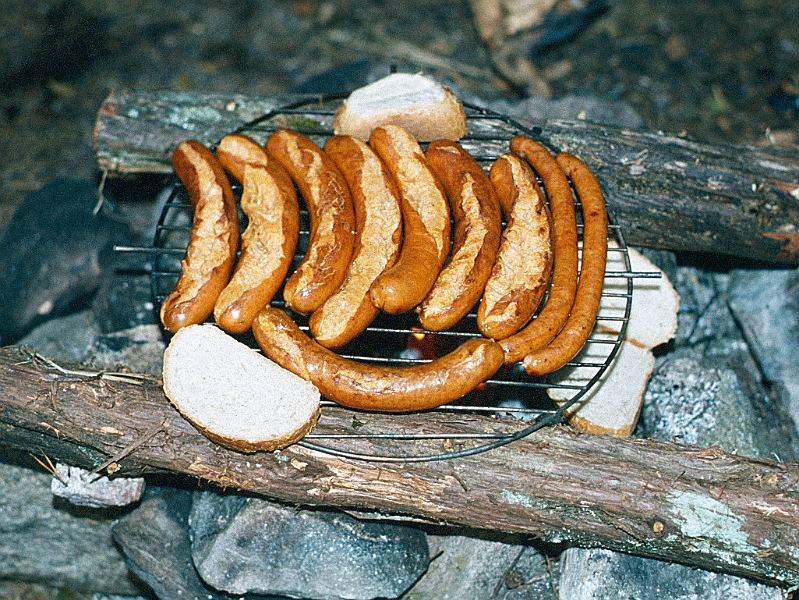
[(518, 404)]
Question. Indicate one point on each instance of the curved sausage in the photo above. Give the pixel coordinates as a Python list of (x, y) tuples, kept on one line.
[(478, 226), (267, 245), (379, 388), (520, 276), (541, 330), (211, 251), (592, 273), (426, 224), (378, 234), (331, 215)]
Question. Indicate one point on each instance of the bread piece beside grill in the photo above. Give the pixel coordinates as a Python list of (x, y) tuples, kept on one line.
[(427, 109), (613, 404), (235, 396)]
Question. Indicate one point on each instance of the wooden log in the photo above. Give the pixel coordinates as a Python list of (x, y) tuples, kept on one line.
[(665, 191), (696, 506)]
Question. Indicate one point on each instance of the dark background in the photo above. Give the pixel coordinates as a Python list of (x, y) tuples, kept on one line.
[(718, 71)]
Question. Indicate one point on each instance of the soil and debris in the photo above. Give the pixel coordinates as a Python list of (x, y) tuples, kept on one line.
[(720, 72)]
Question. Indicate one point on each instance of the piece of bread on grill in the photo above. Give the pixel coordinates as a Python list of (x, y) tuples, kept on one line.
[(613, 404), (427, 109), (234, 395)]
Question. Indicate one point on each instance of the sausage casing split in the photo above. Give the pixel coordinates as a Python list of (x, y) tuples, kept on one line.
[(541, 330), (211, 251), (476, 213), (592, 273), (426, 223), (270, 239), (331, 215), (380, 388), (377, 241), (520, 276)]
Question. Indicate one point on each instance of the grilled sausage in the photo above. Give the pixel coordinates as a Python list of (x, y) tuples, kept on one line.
[(520, 276), (331, 215), (378, 234), (592, 273), (541, 330), (478, 226), (211, 251), (380, 388), (426, 223), (268, 244)]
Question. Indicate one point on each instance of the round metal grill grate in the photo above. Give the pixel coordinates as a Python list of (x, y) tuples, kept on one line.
[(518, 404)]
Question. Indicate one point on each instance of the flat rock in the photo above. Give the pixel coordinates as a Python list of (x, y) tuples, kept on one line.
[(155, 540), (485, 567), (766, 305), (247, 545), (606, 575), (52, 543)]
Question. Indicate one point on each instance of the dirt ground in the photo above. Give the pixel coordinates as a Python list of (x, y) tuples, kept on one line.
[(717, 71)]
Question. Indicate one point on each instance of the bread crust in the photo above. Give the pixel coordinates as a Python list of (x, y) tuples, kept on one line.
[(270, 239), (377, 242), (520, 275), (332, 220), (214, 238), (426, 223), (369, 387), (425, 108), (478, 225)]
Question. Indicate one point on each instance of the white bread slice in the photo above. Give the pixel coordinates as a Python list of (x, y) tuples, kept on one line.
[(235, 396), (427, 109), (613, 405)]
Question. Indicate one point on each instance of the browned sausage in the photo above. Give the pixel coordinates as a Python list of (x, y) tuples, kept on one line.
[(426, 224), (211, 251), (379, 388), (268, 244), (331, 215), (592, 273), (520, 276), (541, 330), (377, 241), (478, 227)]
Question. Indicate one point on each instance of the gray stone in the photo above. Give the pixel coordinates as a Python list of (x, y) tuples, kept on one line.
[(81, 488), (483, 568), (54, 253), (52, 543), (77, 338), (247, 545), (67, 338), (155, 540), (766, 305), (701, 401), (602, 574)]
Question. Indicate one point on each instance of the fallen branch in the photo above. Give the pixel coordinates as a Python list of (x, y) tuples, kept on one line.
[(665, 191), (697, 506)]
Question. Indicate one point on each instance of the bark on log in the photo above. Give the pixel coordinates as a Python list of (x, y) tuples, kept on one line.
[(696, 506), (665, 191)]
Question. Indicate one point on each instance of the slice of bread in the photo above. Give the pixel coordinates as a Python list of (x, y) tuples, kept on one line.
[(427, 109), (235, 396), (613, 405)]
